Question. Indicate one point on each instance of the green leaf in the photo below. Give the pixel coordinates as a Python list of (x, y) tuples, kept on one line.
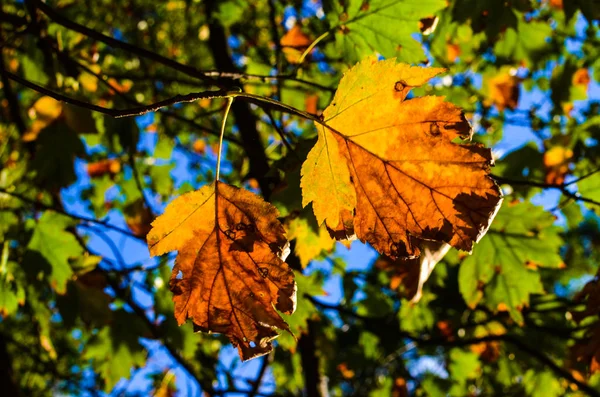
[(57, 146), (12, 294), (502, 270), (526, 42), (164, 148), (417, 317), (52, 248), (375, 304), (115, 349), (542, 384), (311, 285), (464, 365), (86, 301), (590, 188), (381, 26), (312, 241), (162, 181)]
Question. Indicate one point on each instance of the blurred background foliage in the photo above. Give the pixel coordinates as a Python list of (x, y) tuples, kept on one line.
[(84, 310)]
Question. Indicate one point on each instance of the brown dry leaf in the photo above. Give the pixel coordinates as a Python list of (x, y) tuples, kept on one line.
[(488, 351), (503, 91), (138, 218), (427, 25), (410, 274), (387, 168), (229, 275), (587, 349), (294, 43)]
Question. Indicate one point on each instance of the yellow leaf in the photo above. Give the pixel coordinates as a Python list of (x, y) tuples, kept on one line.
[(230, 274), (311, 240), (388, 167), (47, 108), (88, 81)]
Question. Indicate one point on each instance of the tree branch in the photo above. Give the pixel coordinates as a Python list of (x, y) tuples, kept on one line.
[(375, 324), (67, 23), (562, 188), (77, 217)]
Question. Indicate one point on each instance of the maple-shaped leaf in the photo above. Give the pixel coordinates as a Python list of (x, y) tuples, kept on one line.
[(387, 27), (230, 274), (52, 249), (503, 270), (386, 167)]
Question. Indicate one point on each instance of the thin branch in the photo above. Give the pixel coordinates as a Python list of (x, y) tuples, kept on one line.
[(266, 360), (67, 23), (138, 181), (116, 113), (279, 131), (72, 216), (562, 188), (583, 177), (459, 342)]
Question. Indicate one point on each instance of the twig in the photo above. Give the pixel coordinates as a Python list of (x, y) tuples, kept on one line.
[(77, 217), (583, 177), (138, 181), (266, 360), (458, 342), (116, 113), (279, 131), (59, 19), (223, 125), (562, 188)]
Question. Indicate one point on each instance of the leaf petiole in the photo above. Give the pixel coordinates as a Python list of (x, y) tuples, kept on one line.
[(229, 102)]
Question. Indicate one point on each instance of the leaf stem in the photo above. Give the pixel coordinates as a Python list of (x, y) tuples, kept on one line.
[(229, 102), (311, 46)]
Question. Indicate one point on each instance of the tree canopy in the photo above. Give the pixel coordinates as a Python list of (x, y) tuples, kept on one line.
[(364, 197)]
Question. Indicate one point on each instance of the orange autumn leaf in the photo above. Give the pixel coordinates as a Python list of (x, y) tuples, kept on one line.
[(103, 167), (311, 103), (400, 388), (556, 163), (581, 77), (230, 274), (503, 91), (387, 169), (199, 146), (346, 372), (452, 52), (294, 43), (558, 4)]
